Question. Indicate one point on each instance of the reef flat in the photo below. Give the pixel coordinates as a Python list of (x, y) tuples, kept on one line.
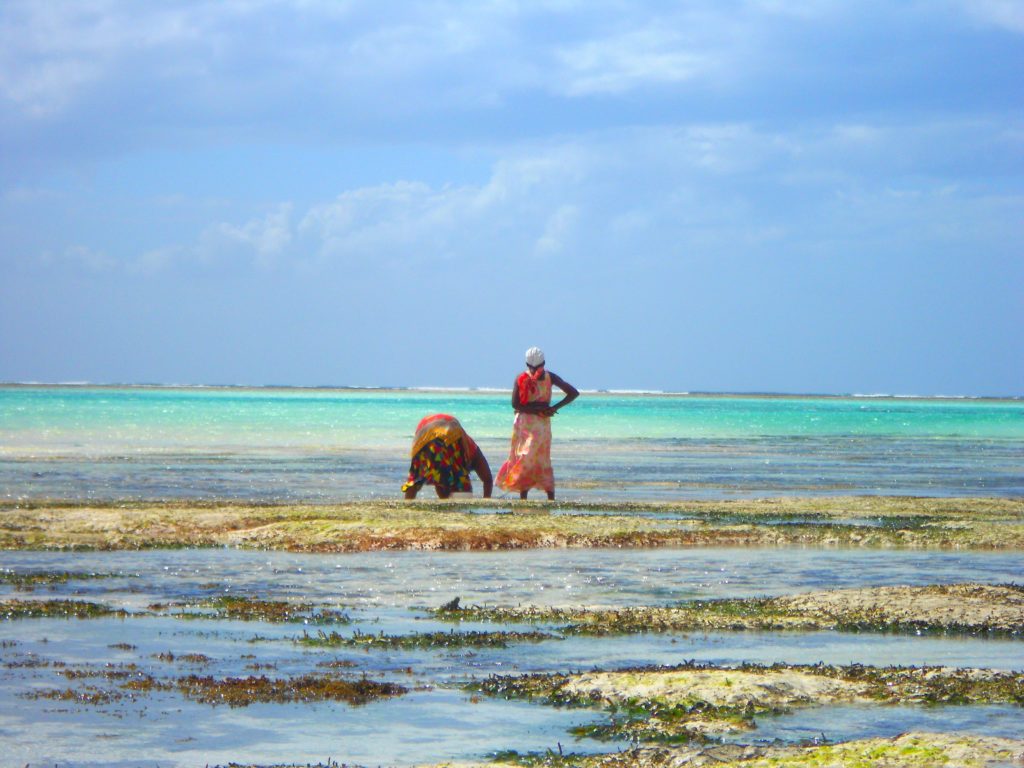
[(863, 521), (976, 609), (909, 750), (693, 701)]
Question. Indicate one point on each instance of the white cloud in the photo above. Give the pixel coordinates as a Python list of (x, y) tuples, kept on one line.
[(80, 256), (266, 238), (156, 260), (388, 218), (558, 228), (1007, 14), (702, 189), (412, 220), (51, 52), (652, 56), (858, 133)]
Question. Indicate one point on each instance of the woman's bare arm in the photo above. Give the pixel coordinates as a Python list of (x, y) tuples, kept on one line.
[(483, 471), (571, 393)]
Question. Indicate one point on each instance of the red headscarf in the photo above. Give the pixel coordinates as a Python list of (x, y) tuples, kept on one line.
[(527, 383)]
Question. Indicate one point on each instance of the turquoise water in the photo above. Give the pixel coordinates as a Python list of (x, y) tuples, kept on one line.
[(107, 443), (327, 445)]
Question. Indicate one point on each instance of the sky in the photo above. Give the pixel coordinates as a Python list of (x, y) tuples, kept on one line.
[(800, 196)]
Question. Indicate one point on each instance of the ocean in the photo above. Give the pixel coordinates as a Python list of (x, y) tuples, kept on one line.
[(313, 445)]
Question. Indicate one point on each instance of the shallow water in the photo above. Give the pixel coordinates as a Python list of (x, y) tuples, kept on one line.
[(310, 445), (540, 577), (264, 444), (437, 720)]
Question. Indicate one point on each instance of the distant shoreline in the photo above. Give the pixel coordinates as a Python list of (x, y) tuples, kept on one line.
[(498, 391)]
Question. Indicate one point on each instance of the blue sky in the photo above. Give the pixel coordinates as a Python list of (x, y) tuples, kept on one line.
[(716, 195)]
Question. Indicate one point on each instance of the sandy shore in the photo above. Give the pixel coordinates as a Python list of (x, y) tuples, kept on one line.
[(885, 522)]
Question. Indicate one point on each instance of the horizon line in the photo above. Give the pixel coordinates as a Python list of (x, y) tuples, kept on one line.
[(624, 392)]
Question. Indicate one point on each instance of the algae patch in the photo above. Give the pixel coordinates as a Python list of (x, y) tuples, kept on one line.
[(423, 640), (28, 581), (692, 700), (910, 750), (243, 691), (975, 609), (242, 608), (55, 609), (893, 522)]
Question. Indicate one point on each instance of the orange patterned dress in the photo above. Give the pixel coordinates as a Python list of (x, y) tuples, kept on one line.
[(442, 455), (529, 459)]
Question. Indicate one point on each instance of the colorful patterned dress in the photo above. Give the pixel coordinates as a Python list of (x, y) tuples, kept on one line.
[(442, 455), (529, 459)]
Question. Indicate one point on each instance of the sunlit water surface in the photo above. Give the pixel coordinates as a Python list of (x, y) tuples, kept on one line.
[(323, 446), (438, 720), (334, 445)]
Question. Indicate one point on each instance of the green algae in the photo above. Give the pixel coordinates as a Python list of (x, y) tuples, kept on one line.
[(880, 610), (129, 681), (548, 759), (423, 640), (892, 522), (243, 608), (906, 751), (679, 718), (30, 580), (57, 609), (88, 695), (243, 691), (911, 750)]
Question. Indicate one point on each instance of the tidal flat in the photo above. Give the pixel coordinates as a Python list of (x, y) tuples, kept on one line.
[(861, 521), (849, 632), (976, 609), (694, 701)]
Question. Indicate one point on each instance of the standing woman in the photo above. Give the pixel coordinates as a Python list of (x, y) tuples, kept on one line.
[(529, 459)]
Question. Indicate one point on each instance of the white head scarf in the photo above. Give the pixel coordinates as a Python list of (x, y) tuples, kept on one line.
[(535, 357)]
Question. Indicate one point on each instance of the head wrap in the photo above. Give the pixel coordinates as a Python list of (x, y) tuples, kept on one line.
[(527, 381)]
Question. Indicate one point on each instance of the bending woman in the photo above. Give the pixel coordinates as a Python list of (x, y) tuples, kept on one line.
[(443, 456), (529, 459)]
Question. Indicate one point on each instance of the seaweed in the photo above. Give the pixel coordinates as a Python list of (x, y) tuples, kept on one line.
[(452, 525), (671, 719), (764, 613), (61, 609), (243, 691), (242, 608), (28, 581), (422, 640)]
